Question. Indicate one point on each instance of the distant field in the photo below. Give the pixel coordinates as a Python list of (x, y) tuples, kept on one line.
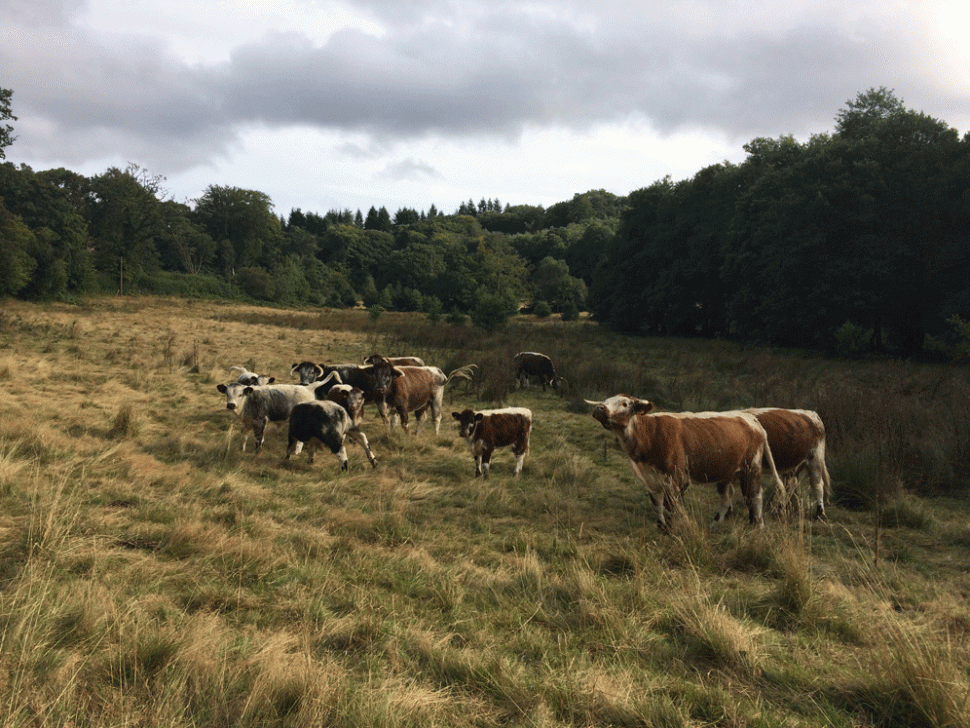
[(152, 574)]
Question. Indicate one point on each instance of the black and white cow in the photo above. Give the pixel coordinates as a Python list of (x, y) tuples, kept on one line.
[(252, 378), (324, 423), (257, 406)]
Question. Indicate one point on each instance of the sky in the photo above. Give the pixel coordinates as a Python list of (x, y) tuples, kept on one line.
[(347, 105)]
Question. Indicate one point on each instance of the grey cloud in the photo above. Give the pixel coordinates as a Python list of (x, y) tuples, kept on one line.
[(441, 68)]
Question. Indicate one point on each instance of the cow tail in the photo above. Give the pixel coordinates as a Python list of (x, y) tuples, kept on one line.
[(767, 457)]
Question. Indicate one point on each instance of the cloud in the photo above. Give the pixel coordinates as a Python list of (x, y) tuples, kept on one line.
[(181, 85)]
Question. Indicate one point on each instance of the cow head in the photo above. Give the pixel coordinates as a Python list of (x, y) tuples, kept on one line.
[(616, 412), (307, 371), (235, 393), (560, 386), (467, 421), (382, 375)]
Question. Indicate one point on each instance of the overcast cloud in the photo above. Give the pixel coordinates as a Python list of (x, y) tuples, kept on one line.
[(326, 105)]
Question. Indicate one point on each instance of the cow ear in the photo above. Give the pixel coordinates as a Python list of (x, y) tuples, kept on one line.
[(248, 390), (479, 417), (642, 407), (271, 380), (221, 388), (456, 415), (397, 372)]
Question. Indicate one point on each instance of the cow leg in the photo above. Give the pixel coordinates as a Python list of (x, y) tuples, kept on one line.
[(519, 461), (341, 454), (403, 414), (817, 481), (361, 439), (751, 484), (726, 491), (259, 433), (486, 461)]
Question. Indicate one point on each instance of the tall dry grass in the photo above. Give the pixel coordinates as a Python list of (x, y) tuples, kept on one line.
[(153, 574)]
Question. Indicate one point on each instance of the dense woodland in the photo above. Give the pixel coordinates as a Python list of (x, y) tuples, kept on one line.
[(854, 241)]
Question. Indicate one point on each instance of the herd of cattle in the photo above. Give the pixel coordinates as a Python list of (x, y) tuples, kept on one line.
[(667, 451)]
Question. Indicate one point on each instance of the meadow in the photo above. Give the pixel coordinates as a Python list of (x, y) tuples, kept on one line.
[(152, 574)]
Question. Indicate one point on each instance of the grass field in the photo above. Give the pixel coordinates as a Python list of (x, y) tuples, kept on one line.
[(152, 574)]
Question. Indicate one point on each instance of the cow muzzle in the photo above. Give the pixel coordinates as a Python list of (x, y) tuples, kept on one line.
[(601, 415), (231, 406)]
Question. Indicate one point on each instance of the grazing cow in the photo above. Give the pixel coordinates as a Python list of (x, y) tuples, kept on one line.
[(398, 361), (413, 389), (529, 364), (486, 430), (668, 451), (252, 378), (324, 423), (257, 406), (797, 442)]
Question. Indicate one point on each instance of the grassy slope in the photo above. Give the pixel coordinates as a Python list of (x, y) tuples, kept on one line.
[(150, 573)]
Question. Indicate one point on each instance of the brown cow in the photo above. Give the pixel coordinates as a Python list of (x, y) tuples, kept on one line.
[(668, 451), (412, 389), (485, 430), (530, 364), (797, 442)]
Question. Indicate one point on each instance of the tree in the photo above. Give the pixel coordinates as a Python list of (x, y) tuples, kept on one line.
[(242, 218), (124, 219), (5, 129)]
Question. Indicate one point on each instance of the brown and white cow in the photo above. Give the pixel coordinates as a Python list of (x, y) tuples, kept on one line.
[(530, 364), (797, 441), (668, 451), (324, 423), (485, 430), (412, 389), (350, 398), (398, 361)]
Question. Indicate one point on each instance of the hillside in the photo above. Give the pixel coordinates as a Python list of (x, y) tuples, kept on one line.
[(153, 574)]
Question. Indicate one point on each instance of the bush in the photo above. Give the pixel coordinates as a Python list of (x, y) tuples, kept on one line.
[(542, 309)]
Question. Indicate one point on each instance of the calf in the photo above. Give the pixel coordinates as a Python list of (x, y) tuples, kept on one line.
[(530, 364), (413, 389), (797, 442), (398, 361), (668, 451), (324, 423), (252, 378), (259, 405), (350, 398), (486, 430)]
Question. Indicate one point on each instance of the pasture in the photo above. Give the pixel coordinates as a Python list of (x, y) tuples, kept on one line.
[(152, 574)]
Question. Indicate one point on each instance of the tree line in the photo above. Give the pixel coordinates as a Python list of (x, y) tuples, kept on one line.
[(855, 240)]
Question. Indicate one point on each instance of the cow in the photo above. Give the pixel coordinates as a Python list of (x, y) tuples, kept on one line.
[(530, 364), (252, 378), (350, 398), (324, 423), (797, 442), (668, 451), (259, 405), (485, 430), (356, 375), (398, 361), (413, 389)]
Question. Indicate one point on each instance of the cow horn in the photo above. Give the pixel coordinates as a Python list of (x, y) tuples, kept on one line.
[(590, 402)]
